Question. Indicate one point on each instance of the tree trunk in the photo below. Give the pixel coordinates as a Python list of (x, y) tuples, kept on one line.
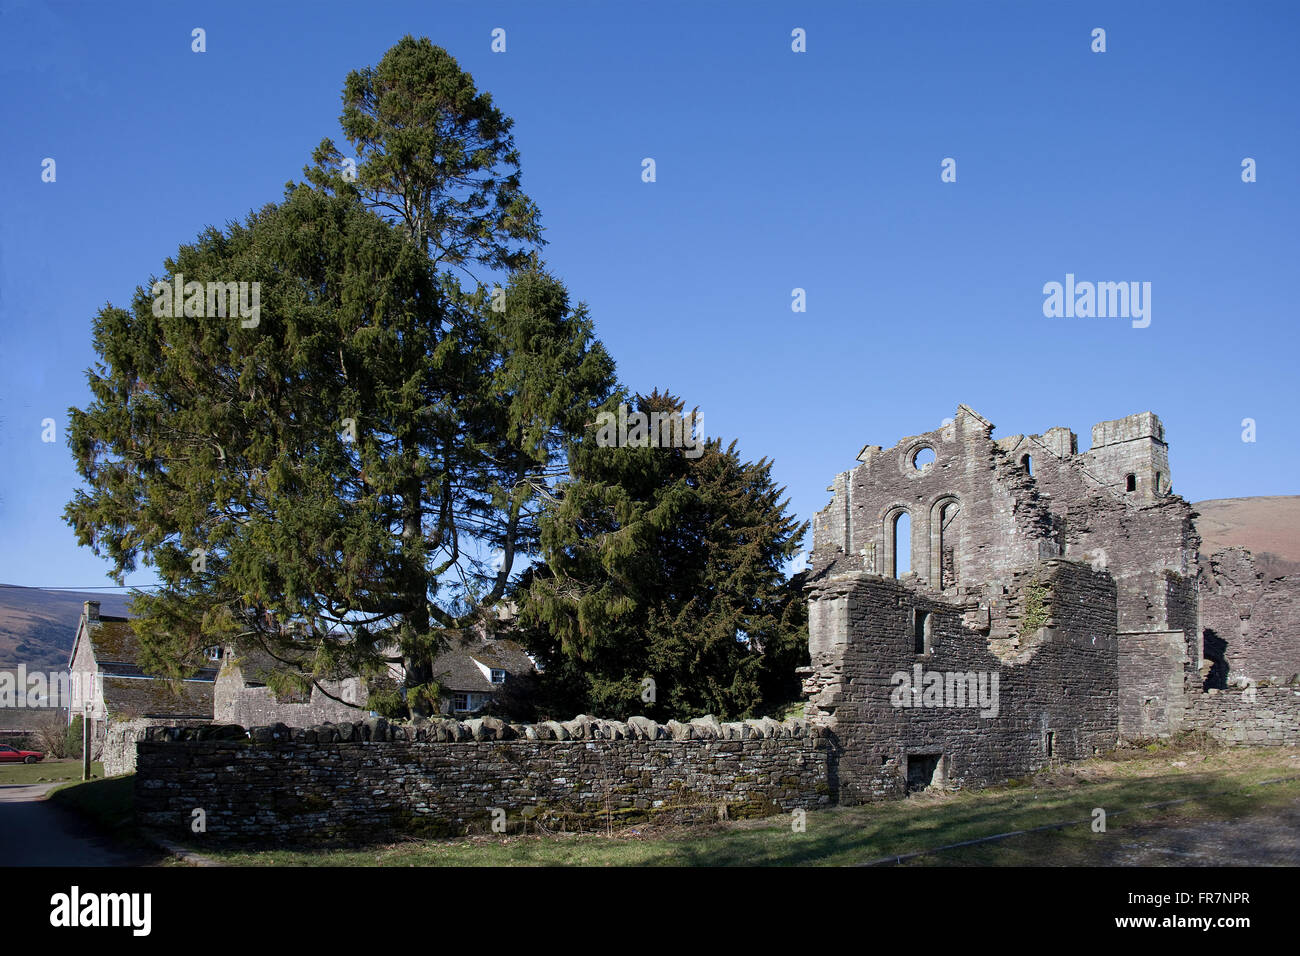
[(417, 660)]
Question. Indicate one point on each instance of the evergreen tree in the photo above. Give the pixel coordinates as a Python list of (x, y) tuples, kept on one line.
[(664, 565), (365, 459), (435, 155)]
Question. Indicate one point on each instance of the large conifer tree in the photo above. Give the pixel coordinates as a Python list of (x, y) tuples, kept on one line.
[(367, 458)]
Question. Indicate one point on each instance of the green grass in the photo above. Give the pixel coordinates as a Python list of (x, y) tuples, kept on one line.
[(849, 835), (47, 771)]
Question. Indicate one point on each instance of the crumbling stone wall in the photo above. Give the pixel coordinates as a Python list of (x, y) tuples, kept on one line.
[(1052, 646), (1250, 624), (1025, 499), (971, 504), (375, 780)]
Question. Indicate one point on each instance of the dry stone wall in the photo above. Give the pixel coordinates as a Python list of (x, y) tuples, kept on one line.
[(1263, 716), (377, 780)]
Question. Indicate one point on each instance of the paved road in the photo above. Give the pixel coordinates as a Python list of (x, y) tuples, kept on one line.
[(34, 832)]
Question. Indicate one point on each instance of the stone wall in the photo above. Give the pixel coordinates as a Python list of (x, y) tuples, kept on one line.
[(376, 780), (121, 736), (234, 702), (1057, 679), (1151, 673), (1264, 716), (1250, 624), (971, 503)]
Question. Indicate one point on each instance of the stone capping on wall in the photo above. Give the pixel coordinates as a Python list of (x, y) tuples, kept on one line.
[(442, 730)]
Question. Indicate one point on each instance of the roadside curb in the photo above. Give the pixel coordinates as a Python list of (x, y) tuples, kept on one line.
[(178, 851)]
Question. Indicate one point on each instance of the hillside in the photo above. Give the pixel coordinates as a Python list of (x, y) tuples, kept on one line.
[(1268, 525), (37, 627)]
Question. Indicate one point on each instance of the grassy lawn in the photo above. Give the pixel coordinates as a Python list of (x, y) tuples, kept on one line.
[(1123, 781), (47, 771)]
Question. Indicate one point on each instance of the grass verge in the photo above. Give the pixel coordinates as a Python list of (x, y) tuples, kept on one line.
[(47, 771)]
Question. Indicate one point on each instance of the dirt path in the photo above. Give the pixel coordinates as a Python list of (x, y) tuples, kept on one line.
[(1264, 839)]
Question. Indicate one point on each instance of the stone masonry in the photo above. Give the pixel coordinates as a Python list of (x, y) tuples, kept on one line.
[(1073, 576), (1055, 664), (376, 779)]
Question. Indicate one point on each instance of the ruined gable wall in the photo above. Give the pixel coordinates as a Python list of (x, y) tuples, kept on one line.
[(1061, 680), (1251, 625), (1001, 523)]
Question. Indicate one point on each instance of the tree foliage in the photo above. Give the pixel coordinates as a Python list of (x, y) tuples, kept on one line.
[(666, 566), (356, 475), (436, 155)]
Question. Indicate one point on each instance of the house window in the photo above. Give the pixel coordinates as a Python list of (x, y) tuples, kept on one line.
[(214, 653), (460, 702), (498, 676)]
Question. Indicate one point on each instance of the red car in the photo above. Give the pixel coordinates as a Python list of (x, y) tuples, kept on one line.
[(10, 755)]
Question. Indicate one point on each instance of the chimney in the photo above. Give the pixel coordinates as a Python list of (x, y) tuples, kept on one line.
[(91, 610)]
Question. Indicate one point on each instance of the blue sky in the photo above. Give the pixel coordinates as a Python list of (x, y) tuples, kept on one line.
[(776, 170)]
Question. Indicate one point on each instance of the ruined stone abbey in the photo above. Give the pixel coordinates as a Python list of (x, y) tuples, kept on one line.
[(956, 566)]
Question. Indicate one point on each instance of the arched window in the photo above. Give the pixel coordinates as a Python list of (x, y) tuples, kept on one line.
[(944, 540), (1130, 483), (1027, 463), (1159, 484), (902, 543)]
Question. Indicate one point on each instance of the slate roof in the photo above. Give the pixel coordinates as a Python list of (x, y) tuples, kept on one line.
[(126, 697), (114, 641), (117, 649), (455, 669)]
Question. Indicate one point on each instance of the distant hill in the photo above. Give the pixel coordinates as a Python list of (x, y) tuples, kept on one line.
[(37, 627), (1268, 525)]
